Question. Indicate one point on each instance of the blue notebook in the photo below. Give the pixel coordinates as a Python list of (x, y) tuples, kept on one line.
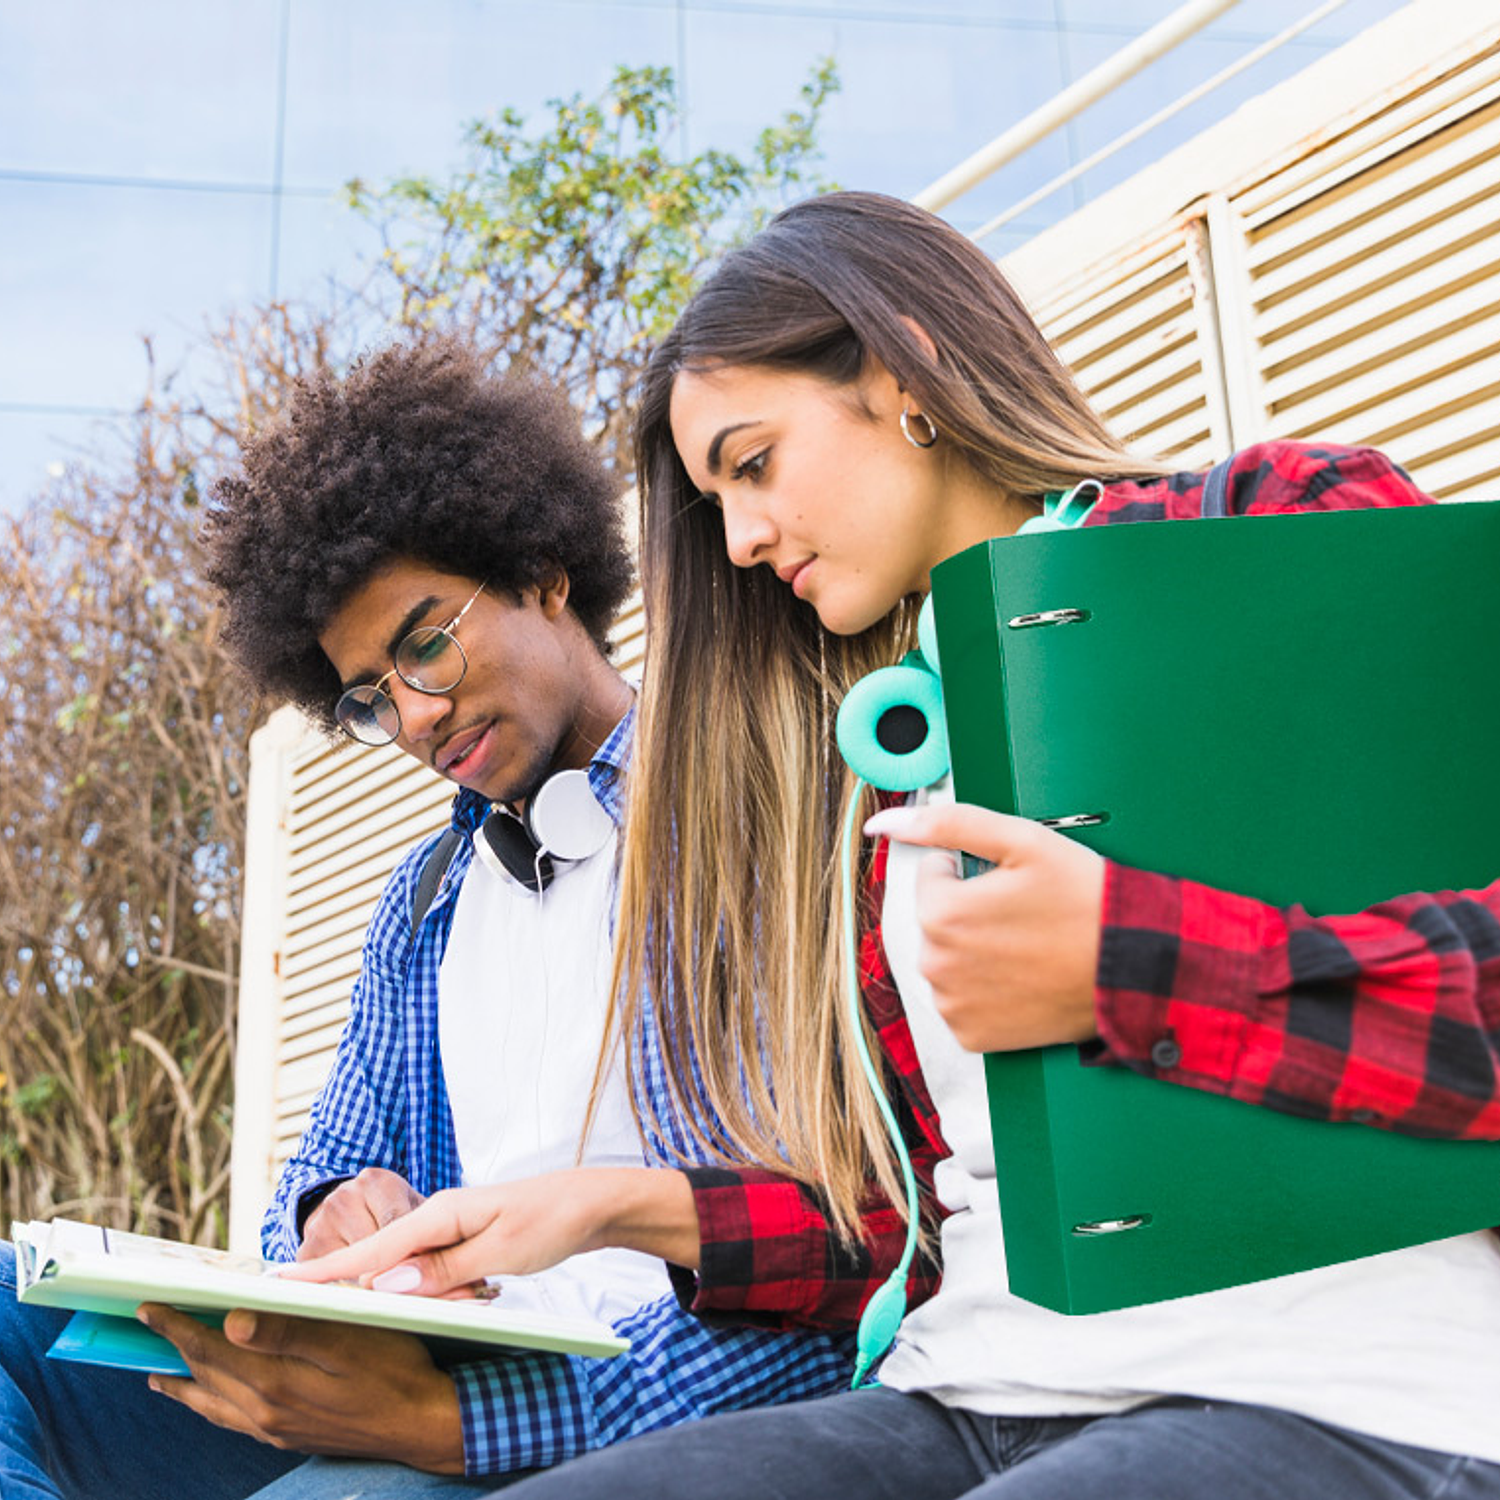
[(121, 1343)]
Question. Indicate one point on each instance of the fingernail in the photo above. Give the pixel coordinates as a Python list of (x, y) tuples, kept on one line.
[(143, 1316), (155, 1384), (398, 1279), (486, 1291), (244, 1326), (887, 821)]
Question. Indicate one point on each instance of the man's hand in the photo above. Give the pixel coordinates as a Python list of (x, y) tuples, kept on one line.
[(1011, 954), (516, 1228), (355, 1209), (316, 1387)]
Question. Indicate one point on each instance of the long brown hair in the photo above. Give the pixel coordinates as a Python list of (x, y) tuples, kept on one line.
[(730, 936)]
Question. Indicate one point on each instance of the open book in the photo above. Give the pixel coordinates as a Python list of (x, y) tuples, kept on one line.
[(104, 1274)]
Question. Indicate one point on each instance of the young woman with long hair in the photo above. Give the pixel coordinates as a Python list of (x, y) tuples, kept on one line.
[(853, 397)]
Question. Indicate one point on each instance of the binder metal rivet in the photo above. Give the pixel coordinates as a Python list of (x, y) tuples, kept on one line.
[(1048, 617), (1075, 820), (1113, 1226)]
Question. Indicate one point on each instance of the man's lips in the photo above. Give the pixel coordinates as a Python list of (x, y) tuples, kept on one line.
[(450, 760)]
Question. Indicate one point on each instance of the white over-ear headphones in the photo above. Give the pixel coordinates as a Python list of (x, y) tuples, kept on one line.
[(562, 822)]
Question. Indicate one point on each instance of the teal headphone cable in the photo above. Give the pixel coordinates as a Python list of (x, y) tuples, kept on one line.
[(885, 1310)]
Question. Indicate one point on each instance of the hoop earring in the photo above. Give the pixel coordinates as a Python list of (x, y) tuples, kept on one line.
[(906, 432)]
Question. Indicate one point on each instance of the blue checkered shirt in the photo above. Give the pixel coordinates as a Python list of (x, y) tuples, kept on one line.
[(385, 1105)]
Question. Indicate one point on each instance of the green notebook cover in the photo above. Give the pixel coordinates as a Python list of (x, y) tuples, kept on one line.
[(1297, 708)]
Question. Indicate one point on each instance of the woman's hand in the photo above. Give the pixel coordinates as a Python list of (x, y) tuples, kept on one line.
[(1011, 954), (516, 1228)]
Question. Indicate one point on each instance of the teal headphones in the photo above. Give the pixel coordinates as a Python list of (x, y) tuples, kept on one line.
[(892, 734)]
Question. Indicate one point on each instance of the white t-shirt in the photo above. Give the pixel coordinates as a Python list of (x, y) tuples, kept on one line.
[(1405, 1346), (522, 994)]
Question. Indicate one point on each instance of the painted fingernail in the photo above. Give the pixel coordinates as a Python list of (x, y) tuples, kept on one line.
[(398, 1279)]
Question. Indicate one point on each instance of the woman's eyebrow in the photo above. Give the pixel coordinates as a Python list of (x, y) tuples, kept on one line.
[(716, 447)]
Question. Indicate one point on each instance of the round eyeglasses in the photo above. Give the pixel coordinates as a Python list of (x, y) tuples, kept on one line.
[(428, 659)]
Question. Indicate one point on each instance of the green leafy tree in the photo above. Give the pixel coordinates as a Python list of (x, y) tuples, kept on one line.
[(571, 251)]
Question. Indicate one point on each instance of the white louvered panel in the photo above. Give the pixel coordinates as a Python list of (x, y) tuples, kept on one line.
[(1428, 181), (326, 1005), (309, 1000), (1407, 112), (341, 914), (1471, 472), (1465, 439), (1401, 395), (329, 772), (1068, 307), (365, 801), (1338, 276), (1395, 341), (320, 905), (1426, 286), (1132, 333), (1377, 302), (322, 827), (1187, 439), (366, 846), (1141, 367), (628, 638), (330, 963), (1122, 310), (314, 1041)]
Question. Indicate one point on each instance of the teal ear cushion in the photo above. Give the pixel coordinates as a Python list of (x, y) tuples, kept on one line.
[(927, 635), (891, 729)]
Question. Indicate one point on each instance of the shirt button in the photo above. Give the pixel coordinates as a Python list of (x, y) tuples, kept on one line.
[(1363, 1116), (1166, 1053)]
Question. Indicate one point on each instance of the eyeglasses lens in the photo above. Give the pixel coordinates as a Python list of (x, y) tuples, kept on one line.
[(369, 714), (431, 660)]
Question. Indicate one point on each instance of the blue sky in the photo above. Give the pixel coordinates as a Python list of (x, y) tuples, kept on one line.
[(166, 161)]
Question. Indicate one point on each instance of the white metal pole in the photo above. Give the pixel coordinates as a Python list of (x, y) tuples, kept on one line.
[(1073, 100)]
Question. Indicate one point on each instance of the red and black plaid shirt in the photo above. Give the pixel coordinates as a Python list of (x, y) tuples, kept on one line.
[(1389, 1017)]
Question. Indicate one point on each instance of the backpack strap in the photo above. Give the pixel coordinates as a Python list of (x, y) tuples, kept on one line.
[(434, 867), (1216, 490)]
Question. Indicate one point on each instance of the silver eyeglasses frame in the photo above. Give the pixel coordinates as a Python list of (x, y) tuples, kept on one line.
[(371, 702)]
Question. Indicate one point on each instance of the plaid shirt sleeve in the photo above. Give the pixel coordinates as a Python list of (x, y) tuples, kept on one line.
[(769, 1253), (531, 1411), (1390, 1016)]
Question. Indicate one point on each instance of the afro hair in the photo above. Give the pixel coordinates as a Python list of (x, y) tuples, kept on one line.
[(419, 452)]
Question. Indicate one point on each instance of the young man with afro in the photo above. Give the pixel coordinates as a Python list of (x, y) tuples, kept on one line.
[(423, 552)]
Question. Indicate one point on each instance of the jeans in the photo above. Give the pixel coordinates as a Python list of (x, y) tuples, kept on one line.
[(366, 1479), (882, 1445), (82, 1432)]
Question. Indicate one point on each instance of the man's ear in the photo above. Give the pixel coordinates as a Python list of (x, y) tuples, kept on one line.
[(552, 593)]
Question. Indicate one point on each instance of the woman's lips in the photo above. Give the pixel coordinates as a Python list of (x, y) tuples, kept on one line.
[(795, 574)]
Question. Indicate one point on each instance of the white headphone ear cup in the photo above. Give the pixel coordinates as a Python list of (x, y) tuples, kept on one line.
[(566, 819)]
